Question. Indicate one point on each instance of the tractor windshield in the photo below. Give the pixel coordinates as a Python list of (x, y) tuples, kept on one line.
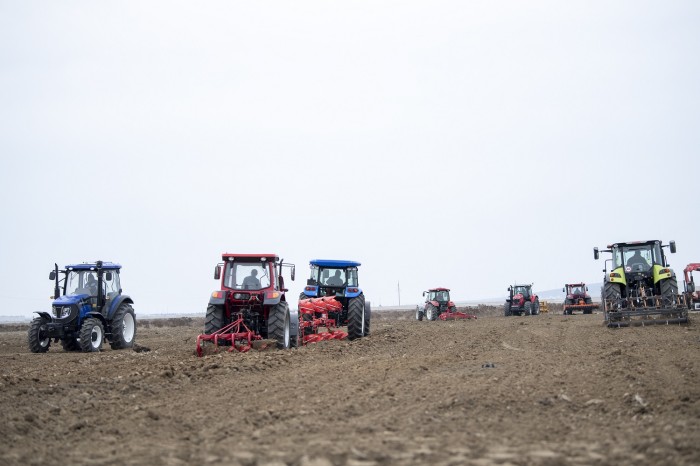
[(333, 277), (247, 275), (441, 296), (524, 290), (81, 282), (637, 258)]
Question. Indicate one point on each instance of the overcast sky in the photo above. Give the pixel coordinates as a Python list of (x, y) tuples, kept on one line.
[(464, 144)]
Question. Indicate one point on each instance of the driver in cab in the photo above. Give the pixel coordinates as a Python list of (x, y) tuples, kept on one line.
[(637, 259)]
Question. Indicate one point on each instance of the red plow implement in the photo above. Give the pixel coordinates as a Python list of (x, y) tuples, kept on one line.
[(454, 315), (313, 316), (236, 335)]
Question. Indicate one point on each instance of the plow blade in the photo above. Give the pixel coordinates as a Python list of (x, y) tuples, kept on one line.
[(236, 335), (645, 311), (313, 316)]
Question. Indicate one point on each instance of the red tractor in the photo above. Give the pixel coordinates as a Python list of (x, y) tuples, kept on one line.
[(251, 305), (521, 301), (577, 299), (439, 306), (692, 296)]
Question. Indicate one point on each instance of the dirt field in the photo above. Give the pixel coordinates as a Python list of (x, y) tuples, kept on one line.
[(564, 390)]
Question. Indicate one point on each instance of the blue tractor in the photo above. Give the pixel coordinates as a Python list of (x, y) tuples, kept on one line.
[(88, 307), (338, 279)]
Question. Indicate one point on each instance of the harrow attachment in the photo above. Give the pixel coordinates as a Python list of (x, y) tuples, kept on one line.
[(237, 335), (314, 315), (656, 310), (580, 306), (454, 315)]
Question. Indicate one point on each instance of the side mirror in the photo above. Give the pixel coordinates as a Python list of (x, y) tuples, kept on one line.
[(217, 272), (596, 253), (510, 288), (673, 247), (52, 275), (563, 290), (424, 293), (108, 276), (294, 270)]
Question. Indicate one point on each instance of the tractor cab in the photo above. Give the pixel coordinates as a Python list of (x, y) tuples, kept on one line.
[(576, 291), (440, 295), (84, 288), (332, 278), (524, 291)]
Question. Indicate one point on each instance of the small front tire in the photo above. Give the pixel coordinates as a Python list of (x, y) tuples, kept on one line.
[(38, 341), (92, 334)]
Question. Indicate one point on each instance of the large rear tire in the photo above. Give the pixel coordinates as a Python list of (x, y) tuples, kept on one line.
[(368, 317), (356, 317), (214, 319), (92, 333), (536, 307), (279, 325), (669, 291), (527, 308), (431, 312), (506, 310), (611, 291), (123, 327), (38, 342)]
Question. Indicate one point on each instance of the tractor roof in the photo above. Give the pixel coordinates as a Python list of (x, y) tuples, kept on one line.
[(692, 267), (633, 243), (248, 257), (93, 265), (575, 284), (439, 289), (334, 263)]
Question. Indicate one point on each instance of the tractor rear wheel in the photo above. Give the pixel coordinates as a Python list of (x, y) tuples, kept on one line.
[(279, 325), (91, 335), (123, 327), (356, 317), (38, 342), (536, 307), (431, 312), (506, 310), (527, 308), (611, 291), (70, 344), (669, 291), (368, 317), (419, 313), (214, 319)]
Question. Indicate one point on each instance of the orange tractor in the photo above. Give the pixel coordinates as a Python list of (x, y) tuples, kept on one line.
[(577, 299)]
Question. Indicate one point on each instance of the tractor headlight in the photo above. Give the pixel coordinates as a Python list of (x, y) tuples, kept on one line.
[(61, 312)]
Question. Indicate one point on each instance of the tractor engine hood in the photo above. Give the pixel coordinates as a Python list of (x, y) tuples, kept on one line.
[(69, 300)]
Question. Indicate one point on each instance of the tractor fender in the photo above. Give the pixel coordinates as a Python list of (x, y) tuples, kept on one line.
[(45, 315), (353, 294), (215, 301), (98, 315), (272, 301), (121, 299)]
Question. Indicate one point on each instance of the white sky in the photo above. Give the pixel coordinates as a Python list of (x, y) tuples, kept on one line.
[(464, 144)]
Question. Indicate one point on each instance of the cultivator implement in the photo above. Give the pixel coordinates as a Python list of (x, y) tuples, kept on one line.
[(237, 335), (314, 315), (656, 310), (582, 306), (454, 315)]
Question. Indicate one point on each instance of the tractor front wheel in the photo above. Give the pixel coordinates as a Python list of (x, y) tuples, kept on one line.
[(278, 325), (356, 317), (91, 335), (419, 313), (38, 341), (506, 310), (123, 327)]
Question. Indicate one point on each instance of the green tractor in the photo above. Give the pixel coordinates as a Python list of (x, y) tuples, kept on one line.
[(641, 288)]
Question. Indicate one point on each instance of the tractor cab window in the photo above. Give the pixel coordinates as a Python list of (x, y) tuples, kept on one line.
[(313, 279), (247, 275), (81, 282), (637, 258), (333, 277), (111, 287), (352, 276), (524, 290), (439, 296)]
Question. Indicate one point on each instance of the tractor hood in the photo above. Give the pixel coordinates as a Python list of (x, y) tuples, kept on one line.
[(70, 299)]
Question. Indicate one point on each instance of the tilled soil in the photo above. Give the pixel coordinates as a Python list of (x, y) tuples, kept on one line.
[(547, 389)]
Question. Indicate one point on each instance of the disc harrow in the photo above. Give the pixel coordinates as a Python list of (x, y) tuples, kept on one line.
[(314, 315), (454, 315)]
